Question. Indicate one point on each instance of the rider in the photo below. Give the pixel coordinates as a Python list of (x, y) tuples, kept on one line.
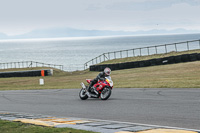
[(100, 76)]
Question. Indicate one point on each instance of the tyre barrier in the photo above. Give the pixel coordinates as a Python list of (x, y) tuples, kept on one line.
[(30, 73), (146, 63), (193, 57)]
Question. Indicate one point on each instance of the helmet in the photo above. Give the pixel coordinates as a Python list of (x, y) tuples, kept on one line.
[(107, 71)]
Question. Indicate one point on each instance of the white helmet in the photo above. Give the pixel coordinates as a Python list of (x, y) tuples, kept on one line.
[(107, 71)]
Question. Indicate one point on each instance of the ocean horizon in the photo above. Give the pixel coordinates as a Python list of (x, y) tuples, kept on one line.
[(73, 52)]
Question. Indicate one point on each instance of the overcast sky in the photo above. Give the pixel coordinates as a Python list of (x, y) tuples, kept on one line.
[(21, 16)]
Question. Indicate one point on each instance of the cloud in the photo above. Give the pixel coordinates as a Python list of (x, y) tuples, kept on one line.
[(22, 16), (148, 4)]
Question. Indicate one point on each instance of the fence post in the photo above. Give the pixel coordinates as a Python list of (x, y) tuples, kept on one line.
[(199, 43), (109, 55), (100, 58), (121, 54), (188, 46), (175, 47), (140, 52), (127, 53), (148, 50), (84, 66), (165, 48), (156, 49), (133, 52), (115, 53)]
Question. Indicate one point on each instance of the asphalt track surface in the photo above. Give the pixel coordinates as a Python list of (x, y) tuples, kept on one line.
[(165, 107)]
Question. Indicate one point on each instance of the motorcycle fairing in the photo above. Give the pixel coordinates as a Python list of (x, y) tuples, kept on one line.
[(100, 85), (88, 80)]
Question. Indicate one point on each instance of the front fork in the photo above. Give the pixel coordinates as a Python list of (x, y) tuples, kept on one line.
[(87, 93), (84, 87)]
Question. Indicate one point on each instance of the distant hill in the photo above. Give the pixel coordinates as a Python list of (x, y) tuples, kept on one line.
[(2, 35), (70, 32)]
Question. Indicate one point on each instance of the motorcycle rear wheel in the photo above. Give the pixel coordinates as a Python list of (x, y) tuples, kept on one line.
[(83, 95), (105, 94)]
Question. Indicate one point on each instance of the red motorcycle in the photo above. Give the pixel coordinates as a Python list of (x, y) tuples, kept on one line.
[(102, 89)]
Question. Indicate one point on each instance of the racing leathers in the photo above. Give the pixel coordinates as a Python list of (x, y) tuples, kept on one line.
[(100, 76)]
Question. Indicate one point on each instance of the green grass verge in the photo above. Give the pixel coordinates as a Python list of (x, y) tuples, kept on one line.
[(182, 75), (18, 127)]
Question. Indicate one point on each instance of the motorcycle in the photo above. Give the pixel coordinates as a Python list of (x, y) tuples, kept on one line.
[(102, 89)]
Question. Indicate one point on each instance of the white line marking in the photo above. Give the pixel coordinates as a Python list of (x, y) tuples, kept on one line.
[(156, 126)]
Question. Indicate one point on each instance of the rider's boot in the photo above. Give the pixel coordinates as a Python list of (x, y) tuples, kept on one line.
[(89, 88)]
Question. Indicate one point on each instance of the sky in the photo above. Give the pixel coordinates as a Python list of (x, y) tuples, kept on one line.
[(22, 16)]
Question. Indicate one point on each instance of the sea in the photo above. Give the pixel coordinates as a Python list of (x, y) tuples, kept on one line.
[(74, 52)]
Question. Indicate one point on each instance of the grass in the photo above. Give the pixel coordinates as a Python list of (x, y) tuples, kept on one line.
[(182, 75), (60, 80), (18, 127)]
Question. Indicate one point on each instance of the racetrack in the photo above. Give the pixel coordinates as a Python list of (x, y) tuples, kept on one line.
[(166, 107)]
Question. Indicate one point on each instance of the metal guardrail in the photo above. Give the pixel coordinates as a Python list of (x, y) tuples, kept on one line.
[(158, 49), (28, 64)]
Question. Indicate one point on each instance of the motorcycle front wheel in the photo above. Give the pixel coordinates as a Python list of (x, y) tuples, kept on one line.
[(105, 94), (83, 95)]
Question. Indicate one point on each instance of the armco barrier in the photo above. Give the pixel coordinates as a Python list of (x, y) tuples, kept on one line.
[(146, 63), (30, 73)]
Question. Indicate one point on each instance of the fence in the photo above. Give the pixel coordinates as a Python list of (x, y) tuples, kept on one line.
[(73, 67), (158, 49), (28, 64)]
